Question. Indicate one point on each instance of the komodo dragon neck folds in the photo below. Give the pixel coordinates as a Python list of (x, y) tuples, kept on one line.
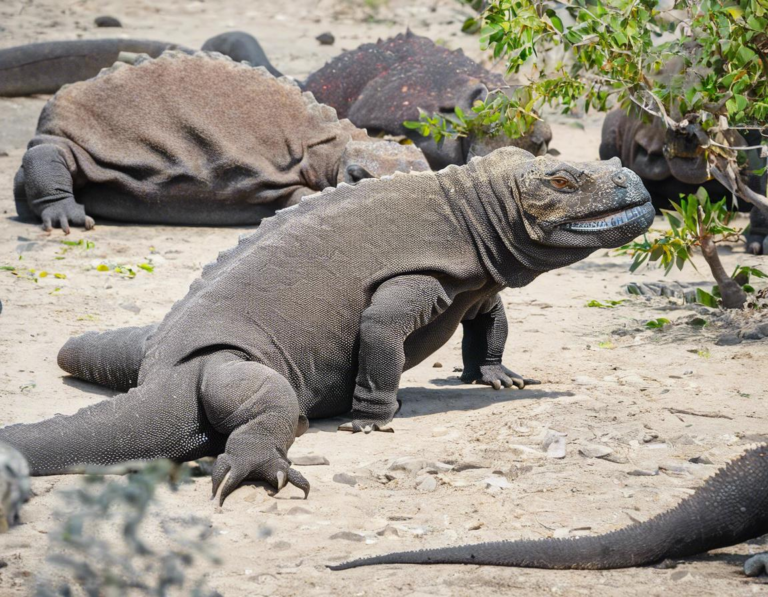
[(321, 310), (731, 507), (190, 139)]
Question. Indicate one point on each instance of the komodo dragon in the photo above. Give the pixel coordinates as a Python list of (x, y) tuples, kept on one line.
[(45, 67), (381, 85), (731, 507), (671, 163), (377, 86), (171, 141), (326, 304)]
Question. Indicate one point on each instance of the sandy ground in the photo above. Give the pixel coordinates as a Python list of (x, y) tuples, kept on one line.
[(607, 380)]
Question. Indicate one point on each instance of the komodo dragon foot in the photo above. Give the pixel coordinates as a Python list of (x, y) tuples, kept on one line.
[(496, 376), (756, 565), (63, 214)]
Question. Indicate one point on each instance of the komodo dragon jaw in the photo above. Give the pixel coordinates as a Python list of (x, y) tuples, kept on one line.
[(730, 508)]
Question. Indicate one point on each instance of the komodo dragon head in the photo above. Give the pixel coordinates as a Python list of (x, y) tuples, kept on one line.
[(377, 158), (582, 204)]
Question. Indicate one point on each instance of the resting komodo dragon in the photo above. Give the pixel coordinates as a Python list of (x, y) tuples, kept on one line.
[(325, 305), (377, 86), (190, 139), (731, 507)]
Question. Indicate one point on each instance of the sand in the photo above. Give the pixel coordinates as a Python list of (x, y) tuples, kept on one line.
[(655, 398)]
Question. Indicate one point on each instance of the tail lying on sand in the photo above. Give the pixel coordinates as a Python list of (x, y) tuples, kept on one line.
[(45, 67), (140, 425), (730, 508)]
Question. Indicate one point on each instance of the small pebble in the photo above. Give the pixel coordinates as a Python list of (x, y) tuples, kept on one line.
[(498, 482), (310, 460), (644, 472), (752, 333), (468, 466), (595, 451), (347, 536), (437, 365), (106, 21), (345, 479), (326, 39), (429, 484), (701, 460), (728, 340)]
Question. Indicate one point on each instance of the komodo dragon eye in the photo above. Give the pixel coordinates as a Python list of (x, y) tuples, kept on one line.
[(561, 183)]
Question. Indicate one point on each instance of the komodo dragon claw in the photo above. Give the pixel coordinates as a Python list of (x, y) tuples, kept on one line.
[(229, 473), (497, 376), (357, 426)]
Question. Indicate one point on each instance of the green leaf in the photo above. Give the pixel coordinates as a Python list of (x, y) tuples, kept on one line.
[(657, 324), (705, 298)]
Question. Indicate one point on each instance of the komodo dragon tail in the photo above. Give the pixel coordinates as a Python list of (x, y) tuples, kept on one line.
[(46, 67), (730, 508), (140, 425)]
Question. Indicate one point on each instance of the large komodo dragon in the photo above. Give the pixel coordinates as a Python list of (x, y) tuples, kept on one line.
[(173, 141), (325, 305), (377, 86), (381, 85), (672, 162), (731, 507)]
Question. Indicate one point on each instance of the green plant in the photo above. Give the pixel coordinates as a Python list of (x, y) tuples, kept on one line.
[(614, 55), (697, 222), (102, 548), (605, 304), (657, 324)]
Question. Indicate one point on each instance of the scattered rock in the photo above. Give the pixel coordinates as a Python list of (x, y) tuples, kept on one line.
[(644, 472), (751, 333), (467, 466), (728, 339), (132, 307), (414, 465), (497, 482), (440, 431), (673, 468), (279, 546), (703, 459), (475, 526), (345, 479), (298, 511), (4, 154), (310, 460), (696, 321), (348, 536), (326, 39), (595, 451), (107, 21), (763, 328), (437, 365), (428, 484), (680, 575), (649, 437), (554, 444), (389, 531)]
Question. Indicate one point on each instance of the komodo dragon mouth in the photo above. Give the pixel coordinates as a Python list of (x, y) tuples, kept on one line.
[(612, 219)]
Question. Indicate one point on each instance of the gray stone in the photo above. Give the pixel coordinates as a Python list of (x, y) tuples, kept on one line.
[(348, 536), (309, 460), (595, 451), (468, 466), (326, 39), (644, 472), (345, 479), (751, 333), (728, 339), (429, 484)]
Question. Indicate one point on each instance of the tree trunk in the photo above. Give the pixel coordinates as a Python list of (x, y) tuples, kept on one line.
[(733, 295)]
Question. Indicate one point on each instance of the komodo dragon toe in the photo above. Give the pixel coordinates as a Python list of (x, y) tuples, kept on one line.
[(496, 376), (756, 565)]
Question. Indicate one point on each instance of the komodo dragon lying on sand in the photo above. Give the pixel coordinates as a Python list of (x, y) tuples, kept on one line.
[(671, 163), (322, 309), (731, 507), (377, 86), (45, 67), (171, 141)]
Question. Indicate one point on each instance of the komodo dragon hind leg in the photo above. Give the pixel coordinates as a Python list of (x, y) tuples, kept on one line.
[(110, 359), (258, 409)]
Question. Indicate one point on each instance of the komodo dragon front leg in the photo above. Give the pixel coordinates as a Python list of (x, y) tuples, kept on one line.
[(258, 410), (398, 307), (482, 348), (48, 186)]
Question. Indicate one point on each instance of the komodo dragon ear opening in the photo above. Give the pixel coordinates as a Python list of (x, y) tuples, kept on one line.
[(356, 173)]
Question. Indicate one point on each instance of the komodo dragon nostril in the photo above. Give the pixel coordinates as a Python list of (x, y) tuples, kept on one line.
[(620, 179)]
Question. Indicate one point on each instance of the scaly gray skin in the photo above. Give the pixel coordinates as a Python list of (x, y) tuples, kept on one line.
[(46, 67), (14, 485), (170, 141), (321, 310), (671, 163), (379, 86), (730, 508)]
